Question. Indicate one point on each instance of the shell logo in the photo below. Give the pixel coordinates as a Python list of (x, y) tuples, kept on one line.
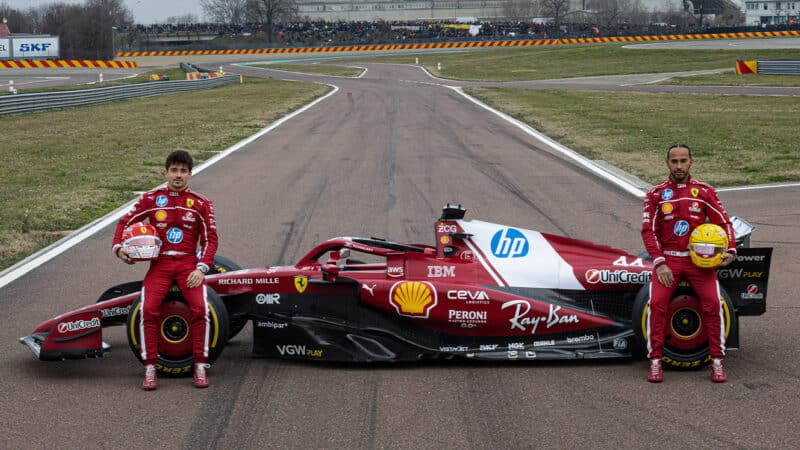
[(161, 215), (666, 208), (413, 298)]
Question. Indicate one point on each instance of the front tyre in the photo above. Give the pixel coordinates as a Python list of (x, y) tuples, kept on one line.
[(174, 340), (685, 335)]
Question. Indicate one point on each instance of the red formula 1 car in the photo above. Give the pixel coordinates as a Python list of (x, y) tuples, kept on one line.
[(485, 291)]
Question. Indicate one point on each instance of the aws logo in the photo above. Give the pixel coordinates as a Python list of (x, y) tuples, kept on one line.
[(413, 298)]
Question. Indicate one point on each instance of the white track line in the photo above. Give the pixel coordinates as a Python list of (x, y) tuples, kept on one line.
[(46, 254)]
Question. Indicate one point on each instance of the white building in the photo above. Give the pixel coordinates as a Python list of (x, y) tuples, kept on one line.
[(772, 12)]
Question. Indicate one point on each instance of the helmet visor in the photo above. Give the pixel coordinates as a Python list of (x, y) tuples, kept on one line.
[(143, 241), (707, 249)]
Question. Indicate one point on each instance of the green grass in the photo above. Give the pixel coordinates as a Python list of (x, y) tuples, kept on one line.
[(540, 63), (315, 69), (731, 79), (172, 73), (735, 140), (92, 159)]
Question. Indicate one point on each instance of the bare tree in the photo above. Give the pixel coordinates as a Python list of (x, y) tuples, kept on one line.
[(556, 9), (225, 11), (270, 12), (518, 9)]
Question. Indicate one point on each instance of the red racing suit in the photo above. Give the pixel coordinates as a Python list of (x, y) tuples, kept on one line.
[(185, 222), (671, 211)]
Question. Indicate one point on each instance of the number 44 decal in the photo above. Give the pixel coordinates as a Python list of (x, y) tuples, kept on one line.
[(623, 261)]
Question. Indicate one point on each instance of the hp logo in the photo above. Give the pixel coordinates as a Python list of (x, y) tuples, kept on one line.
[(681, 228), (509, 243), (175, 235)]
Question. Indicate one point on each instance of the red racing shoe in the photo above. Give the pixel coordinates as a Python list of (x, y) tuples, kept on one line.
[(718, 372), (655, 374), (200, 375), (150, 380)]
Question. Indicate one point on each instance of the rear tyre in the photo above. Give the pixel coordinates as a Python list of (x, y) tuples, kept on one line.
[(174, 341), (685, 337), (237, 321)]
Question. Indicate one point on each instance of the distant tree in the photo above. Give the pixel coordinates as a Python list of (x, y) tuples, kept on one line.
[(18, 21), (518, 9), (270, 12), (556, 9), (225, 11)]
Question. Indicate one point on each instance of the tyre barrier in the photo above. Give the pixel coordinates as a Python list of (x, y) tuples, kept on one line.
[(67, 63), (471, 44)]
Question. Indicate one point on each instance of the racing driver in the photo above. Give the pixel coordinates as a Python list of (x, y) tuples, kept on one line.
[(672, 209), (184, 221)]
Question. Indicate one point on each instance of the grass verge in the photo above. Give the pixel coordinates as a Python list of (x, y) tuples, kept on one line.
[(735, 140), (540, 63), (172, 73), (731, 79), (315, 69), (91, 159)]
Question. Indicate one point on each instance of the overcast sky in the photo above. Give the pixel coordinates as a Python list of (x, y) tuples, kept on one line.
[(144, 11)]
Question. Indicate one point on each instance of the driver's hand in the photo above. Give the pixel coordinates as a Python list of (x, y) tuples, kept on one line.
[(664, 275), (123, 255), (195, 278), (727, 258)]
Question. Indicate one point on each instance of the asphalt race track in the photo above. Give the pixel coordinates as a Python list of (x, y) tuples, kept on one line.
[(379, 158)]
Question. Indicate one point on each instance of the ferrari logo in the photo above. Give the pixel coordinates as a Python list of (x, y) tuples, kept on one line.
[(300, 283), (695, 192), (189, 202), (143, 230)]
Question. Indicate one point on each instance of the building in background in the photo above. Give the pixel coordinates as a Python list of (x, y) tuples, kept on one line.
[(772, 12)]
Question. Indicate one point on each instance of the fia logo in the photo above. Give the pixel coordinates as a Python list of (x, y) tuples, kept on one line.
[(509, 243), (175, 235)]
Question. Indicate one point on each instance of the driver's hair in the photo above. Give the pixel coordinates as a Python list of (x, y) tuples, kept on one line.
[(679, 146), (179, 157)]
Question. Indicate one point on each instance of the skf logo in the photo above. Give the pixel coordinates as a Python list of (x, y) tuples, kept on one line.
[(413, 298), (300, 283), (189, 202), (34, 47)]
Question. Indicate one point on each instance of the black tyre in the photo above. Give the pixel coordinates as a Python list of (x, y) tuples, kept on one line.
[(237, 321), (174, 342), (685, 337)]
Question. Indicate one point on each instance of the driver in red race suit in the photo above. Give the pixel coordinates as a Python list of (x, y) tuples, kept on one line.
[(185, 221), (672, 209)]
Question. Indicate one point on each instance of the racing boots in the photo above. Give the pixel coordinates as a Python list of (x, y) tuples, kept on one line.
[(718, 372), (655, 374), (200, 375), (150, 379)]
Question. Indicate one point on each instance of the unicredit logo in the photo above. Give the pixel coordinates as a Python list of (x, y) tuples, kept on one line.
[(594, 276), (66, 327)]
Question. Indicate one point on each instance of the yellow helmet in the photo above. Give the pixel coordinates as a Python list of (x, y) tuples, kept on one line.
[(707, 243)]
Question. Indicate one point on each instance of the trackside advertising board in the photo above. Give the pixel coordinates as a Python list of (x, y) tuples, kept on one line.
[(30, 47), (5, 48)]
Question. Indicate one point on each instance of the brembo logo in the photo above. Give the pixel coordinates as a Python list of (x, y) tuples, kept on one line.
[(66, 327)]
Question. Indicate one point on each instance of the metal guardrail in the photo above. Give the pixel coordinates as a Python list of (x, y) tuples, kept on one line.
[(24, 103), (784, 67)]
